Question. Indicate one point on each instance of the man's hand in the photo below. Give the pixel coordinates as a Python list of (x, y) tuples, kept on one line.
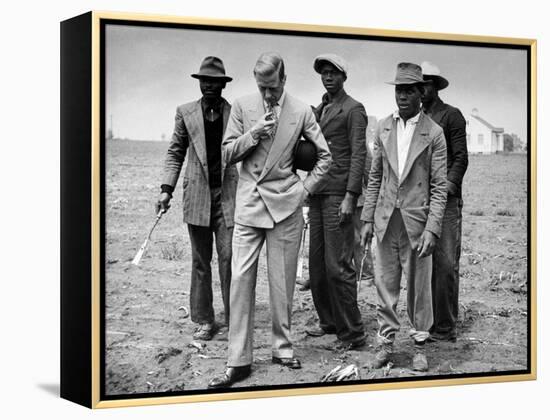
[(263, 128), (452, 188), (347, 207), (427, 244), (366, 234), (163, 202)]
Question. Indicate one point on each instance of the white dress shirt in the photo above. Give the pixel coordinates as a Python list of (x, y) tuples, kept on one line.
[(405, 132)]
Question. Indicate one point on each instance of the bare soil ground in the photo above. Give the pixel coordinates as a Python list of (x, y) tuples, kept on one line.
[(148, 334)]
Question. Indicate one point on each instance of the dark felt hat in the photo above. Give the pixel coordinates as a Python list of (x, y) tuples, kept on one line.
[(305, 155), (431, 73), (212, 67)]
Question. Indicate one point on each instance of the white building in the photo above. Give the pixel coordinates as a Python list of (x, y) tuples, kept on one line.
[(482, 136)]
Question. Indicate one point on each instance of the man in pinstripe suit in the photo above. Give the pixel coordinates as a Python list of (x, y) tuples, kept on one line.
[(209, 187)]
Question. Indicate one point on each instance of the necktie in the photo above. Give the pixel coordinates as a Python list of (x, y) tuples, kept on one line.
[(274, 117)]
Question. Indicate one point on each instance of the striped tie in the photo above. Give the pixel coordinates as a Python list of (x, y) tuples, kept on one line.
[(272, 108)]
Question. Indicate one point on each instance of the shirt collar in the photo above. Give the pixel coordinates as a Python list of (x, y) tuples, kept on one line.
[(412, 120)]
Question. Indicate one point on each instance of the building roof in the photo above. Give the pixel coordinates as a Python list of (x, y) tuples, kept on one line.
[(486, 124)]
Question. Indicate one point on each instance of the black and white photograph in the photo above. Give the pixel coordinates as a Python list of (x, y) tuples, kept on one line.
[(287, 209)]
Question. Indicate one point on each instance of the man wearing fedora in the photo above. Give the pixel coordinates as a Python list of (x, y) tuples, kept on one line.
[(333, 277), (404, 208), (446, 256), (262, 134), (209, 187)]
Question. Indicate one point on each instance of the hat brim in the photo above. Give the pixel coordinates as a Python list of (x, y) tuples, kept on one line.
[(319, 63), (439, 81), (415, 82), (211, 76)]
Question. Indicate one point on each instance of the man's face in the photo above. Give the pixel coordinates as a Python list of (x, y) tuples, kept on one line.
[(429, 93), (211, 87), (408, 99), (332, 78), (271, 87)]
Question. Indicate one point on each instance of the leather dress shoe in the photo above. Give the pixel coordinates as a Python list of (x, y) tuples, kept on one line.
[(319, 331), (289, 362), (230, 376)]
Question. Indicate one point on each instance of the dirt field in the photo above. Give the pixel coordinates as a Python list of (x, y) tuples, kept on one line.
[(149, 336)]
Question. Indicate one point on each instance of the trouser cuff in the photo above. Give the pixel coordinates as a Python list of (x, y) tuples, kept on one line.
[(419, 336)]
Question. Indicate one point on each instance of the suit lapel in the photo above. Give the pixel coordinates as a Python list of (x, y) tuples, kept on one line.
[(285, 129), (389, 142), (194, 122), (420, 140), (332, 112)]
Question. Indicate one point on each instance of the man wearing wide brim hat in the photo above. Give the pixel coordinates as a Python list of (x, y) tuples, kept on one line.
[(446, 257), (212, 67), (333, 279), (209, 187), (403, 210)]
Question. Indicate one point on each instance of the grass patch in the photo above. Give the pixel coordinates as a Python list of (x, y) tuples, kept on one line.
[(171, 252)]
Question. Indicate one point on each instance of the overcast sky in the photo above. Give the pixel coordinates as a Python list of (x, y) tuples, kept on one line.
[(148, 74)]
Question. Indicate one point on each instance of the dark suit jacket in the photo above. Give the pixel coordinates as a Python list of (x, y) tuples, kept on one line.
[(189, 137), (344, 126), (452, 122), (421, 193)]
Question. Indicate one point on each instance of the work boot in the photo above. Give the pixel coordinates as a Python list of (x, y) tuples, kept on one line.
[(205, 332), (319, 331), (383, 356), (420, 363)]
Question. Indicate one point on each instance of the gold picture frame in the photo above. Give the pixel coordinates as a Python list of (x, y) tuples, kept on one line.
[(84, 125)]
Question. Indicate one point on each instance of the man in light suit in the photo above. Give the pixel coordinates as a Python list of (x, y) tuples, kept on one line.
[(209, 187), (261, 134), (404, 208)]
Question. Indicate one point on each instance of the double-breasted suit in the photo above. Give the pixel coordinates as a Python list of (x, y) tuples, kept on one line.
[(269, 198), (208, 207), (402, 208)]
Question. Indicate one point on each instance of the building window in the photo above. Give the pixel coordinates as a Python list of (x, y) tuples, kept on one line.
[(480, 139)]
